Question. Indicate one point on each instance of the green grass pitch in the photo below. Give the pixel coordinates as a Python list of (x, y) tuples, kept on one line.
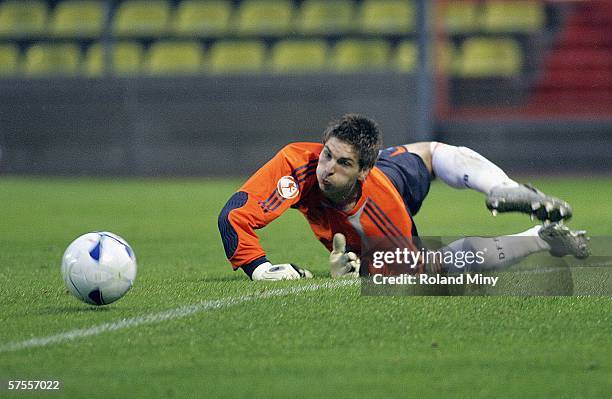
[(322, 343)]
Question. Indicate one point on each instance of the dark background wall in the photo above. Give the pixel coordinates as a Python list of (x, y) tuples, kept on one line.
[(193, 126), (537, 145), (230, 125)]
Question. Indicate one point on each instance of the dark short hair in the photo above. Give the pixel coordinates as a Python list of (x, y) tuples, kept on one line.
[(360, 132)]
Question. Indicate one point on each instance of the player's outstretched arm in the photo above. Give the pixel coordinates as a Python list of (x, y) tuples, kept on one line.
[(238, 220), (461, 167), (264, 197)]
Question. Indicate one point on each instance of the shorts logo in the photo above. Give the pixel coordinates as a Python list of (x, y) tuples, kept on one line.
[(287, 187)]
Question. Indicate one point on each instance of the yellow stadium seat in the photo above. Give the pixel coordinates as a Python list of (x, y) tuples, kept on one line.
[(9, 60), (481, 57), (264, 17), (126, 59), (202, 18), (52, 59), (73, 18), (139, 18), (174, 58), (354, 55), (461, 16), (237, 56), (299, 56), (513, 16), (387, 16), (406, 57), (325, 17), (20, 19)]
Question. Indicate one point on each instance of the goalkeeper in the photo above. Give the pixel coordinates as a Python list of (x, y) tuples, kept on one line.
[(353, 193)]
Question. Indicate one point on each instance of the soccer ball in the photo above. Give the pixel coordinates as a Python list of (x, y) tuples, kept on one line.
[(99, 267)]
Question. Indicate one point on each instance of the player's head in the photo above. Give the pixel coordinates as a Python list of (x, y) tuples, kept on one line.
[(351, 146)]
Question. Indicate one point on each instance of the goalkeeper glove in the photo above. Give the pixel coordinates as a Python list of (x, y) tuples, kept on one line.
[(343, 263), (285, 271)]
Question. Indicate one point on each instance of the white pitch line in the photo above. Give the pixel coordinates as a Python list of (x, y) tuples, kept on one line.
[(171, 314)]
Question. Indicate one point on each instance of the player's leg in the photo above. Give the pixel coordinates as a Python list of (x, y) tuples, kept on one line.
[(461, 167), (498, 253)]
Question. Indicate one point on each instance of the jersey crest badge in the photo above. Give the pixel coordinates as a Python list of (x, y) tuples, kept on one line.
[(287, 187)]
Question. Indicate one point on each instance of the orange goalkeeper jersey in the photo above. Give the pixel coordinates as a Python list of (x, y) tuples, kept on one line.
[(390, 195)]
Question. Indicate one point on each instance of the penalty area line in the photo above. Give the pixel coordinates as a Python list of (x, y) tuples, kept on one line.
[(172, 314)]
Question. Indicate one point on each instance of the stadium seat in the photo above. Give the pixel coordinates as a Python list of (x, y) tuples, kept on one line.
[(237, 56), (354, 55), (126, 59), (9, 60), (325, 17), (406, 57), (299, 56), (461, 16), (513, 16), (139, 18), (174, 58), (264, 17), (481, 57), (78, 19), (21, 19), (387, 16), (52, 59), (202, 18)]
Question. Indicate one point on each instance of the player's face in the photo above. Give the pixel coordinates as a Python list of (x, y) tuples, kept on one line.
[(338, 169)]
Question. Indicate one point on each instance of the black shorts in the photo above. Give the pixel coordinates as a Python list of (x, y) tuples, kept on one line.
[(408, 173)]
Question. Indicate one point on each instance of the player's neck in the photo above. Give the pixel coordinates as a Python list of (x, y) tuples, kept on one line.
[(347, 201)]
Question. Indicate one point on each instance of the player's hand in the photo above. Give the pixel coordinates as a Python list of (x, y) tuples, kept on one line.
[(343, 263), (284, 271)]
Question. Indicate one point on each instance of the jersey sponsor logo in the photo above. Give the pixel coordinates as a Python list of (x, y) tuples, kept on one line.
[(287, 187)]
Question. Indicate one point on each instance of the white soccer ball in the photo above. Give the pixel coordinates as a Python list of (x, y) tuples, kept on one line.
[(99, 268)]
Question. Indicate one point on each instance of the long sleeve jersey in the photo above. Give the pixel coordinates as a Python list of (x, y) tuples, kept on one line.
[(391, 195)]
